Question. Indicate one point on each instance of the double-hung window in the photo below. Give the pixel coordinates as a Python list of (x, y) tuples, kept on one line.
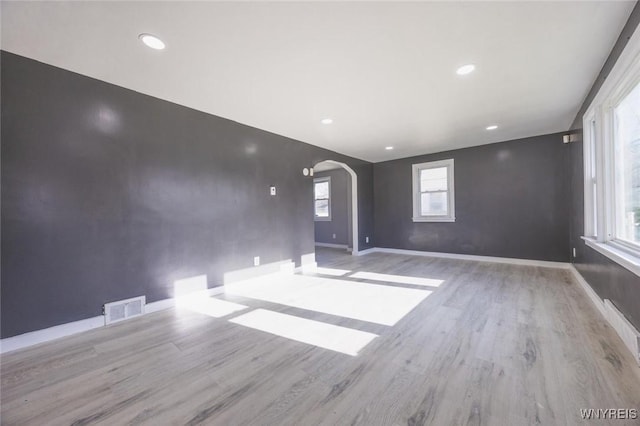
[(611, 143), (322, 198), (433, 196), (626, 160)]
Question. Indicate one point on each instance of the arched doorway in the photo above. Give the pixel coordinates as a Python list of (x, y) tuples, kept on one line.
[(353, 201)]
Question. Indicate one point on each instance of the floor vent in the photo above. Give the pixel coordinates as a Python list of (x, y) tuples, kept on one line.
[(123, 309)]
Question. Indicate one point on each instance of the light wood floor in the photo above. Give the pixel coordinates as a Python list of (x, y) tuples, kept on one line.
[(494, 344)]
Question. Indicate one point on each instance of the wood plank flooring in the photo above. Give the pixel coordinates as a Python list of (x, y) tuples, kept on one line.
[(494, 344)]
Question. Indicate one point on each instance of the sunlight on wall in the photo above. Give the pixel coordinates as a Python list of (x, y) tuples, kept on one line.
[(189, 285), (374, 303), (401, 279), (328, 336), (281, 266), (192, 294)]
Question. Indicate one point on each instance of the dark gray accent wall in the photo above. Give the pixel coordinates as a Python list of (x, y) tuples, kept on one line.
[(109, 194), (340, 201), (510, 201), (607, 278)]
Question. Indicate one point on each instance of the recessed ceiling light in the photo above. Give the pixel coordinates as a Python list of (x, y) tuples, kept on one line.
[(465, 69), (492, 127), (388, 148), (152, 41), (327, 121)]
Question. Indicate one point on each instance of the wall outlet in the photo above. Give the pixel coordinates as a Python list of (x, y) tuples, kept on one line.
[(256, 261), (272, 190), (334, 236), (574, 252), (366, 239)]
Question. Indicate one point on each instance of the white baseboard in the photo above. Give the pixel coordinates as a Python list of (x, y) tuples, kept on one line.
[(163, 304), (307, 268), (509, 260), (257, 271), (625, 330), (340, 246), (366, 251), (40, 336), (159, 305), (52, 333), (595, 299)]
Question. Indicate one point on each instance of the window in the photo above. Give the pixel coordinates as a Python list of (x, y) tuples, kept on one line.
[(626, 143), (433, 198), (593, 187), (612, 163), (322, 198)]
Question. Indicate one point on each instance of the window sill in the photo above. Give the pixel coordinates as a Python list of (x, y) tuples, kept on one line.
[(625, 259), (322, 219), (434, 219)]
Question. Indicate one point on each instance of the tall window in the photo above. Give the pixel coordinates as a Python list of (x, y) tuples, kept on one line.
[(627, 168), (433, 192), (322, 198), (611, 138)]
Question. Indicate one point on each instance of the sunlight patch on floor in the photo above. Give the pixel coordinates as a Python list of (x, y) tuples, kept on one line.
[(374, 303), (331, 271), (400, 279), (328, 336), (204, 304)]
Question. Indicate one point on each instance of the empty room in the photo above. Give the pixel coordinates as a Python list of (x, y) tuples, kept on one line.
[(320, 213)]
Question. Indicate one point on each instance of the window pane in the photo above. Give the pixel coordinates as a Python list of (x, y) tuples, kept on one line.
[(321, 190), (433, 179), (627, 167), (594, 185), (594, 208), (433, 204), (322, 208)]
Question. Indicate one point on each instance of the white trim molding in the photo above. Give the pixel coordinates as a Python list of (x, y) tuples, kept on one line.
[(47, 334), (307, 268), (510, 260), (366, 251), (354, 202), (316, 181), (595, 299), (629, 261), (605, 219), (629, 335), (416, 170), (36, 337), (163, 304), (329, 245)]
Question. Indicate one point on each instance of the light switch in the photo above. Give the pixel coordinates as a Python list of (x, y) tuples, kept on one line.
[(272, 190)]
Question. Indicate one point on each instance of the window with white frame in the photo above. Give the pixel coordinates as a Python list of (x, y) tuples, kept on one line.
[(611, 135), (322, 198), (433, 192)]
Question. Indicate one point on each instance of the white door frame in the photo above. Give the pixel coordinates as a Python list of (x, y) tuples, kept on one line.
[(354, 203)]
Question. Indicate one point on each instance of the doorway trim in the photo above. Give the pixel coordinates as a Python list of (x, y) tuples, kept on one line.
[(354, 203)]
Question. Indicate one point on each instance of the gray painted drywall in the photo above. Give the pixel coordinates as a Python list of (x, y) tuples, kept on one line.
[(510, 201), (109, 194), (608, 279), (340, 202)]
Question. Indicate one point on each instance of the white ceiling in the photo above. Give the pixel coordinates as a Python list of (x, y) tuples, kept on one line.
[(385, 72)]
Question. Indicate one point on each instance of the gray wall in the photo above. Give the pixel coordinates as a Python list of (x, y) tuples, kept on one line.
[(608, 279), (109, 194), (340, 202), (510, 201)]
